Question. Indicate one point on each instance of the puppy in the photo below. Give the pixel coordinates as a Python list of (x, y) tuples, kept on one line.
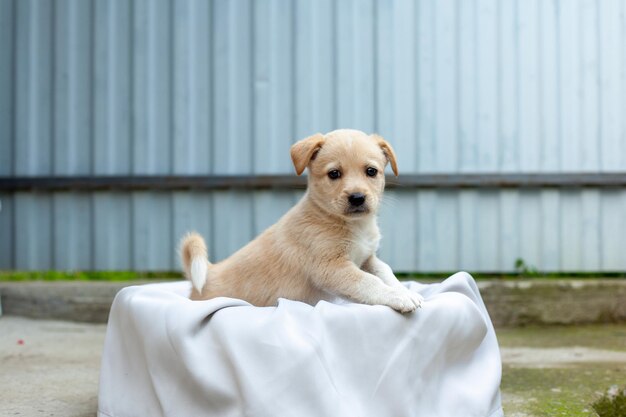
[(325, 246)]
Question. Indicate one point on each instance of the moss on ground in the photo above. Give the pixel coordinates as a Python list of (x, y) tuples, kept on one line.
[(566, 390), (559, 391), (611, 404)]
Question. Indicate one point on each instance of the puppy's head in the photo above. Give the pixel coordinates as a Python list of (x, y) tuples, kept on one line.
[(346, 170)]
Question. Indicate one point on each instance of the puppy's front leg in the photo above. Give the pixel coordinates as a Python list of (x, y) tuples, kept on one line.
[(384, 272), (345, 279)]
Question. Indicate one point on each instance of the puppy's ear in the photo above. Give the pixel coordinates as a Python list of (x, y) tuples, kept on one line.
[(389, 153), (302, 152)]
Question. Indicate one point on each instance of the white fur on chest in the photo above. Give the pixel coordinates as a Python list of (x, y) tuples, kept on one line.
[(365, 241)]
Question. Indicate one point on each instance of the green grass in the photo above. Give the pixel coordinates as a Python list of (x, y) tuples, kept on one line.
[(566, 392), (85, 275), (611, 405), (573, 390)]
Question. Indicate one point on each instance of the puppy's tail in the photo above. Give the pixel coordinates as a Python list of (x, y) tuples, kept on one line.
[(193, 256)]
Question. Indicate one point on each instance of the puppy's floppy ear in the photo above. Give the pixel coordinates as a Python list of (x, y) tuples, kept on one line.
[(304, 150), (389, 153)]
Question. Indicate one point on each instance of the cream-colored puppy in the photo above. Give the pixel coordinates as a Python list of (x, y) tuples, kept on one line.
[(325, 246)]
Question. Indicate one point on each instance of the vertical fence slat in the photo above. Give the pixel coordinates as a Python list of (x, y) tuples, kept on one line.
[(33, 226), (612, 88), (112, 118), (591, 238), (469, 232), (152, 231), (72, 88), (112, 231), (446, 238), (530, 228), (273, 95), (191, 51), (613, 230), (486, 87), (347, 64), (509, 227), (529, 85), (550, 230), (262, 84), (443, 144), (550, 137), (428, 243), (508, 103), (71, 231), (467, 96), (355, 64), (590, 75), (233, 84), (33, 84), (488, 236), (571, 231), (7, 222), (569, 77), (384, 82), (420, 157), (315, 67), (7, 78), (152, 63), (282, 133)]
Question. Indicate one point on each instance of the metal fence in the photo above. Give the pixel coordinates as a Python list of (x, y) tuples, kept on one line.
[(507, 116)]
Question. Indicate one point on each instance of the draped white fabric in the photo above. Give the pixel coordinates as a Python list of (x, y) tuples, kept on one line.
[(165, 355)]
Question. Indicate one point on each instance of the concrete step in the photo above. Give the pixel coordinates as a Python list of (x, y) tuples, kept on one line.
[(555, 302), (510, 302), (82, 301)]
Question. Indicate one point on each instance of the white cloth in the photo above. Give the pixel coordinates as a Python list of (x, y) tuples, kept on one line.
[(165, 355)]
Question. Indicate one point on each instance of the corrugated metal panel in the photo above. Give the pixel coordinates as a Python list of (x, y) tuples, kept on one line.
[(163, 87), (224, 87), (486, 230), (552, 230)]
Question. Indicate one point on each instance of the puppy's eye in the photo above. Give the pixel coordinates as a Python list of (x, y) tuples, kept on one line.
[(334, 174), (371, 172)]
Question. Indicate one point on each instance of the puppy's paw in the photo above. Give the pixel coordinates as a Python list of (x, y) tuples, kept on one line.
[(402, 301), (417, 299)]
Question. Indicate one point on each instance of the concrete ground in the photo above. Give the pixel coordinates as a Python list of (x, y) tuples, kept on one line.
[(560, 371), (50, 368)]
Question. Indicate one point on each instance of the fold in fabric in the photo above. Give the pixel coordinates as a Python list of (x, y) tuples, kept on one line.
[(165, 355)]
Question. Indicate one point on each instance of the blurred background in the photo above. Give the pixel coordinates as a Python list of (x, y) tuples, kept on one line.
[(124, 124)]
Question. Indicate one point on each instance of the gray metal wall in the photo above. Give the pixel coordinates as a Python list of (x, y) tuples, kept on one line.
[(224, 87)]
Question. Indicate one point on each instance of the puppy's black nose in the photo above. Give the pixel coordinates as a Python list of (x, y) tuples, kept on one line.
[(356, 199)]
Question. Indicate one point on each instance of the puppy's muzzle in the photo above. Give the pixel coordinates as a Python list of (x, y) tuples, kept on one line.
[(356, 204)]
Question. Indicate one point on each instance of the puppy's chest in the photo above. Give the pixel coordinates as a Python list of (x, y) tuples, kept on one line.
[(364, 244)]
